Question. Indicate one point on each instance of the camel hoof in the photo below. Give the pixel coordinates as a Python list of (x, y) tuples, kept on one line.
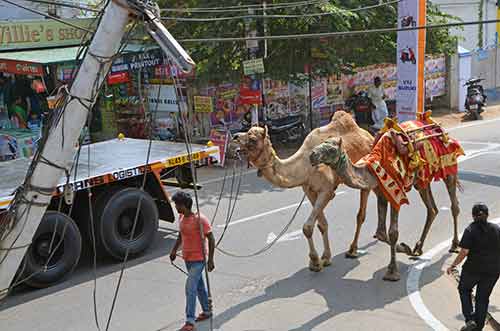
[(404, 248), (417, 251), (351, 255), (454, 247), (316, 268), (392, 276)]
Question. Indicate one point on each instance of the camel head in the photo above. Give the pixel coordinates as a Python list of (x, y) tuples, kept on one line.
[(254, 142), (329, 152)]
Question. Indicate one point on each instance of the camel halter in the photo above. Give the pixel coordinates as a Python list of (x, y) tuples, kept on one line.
[(269, 163)]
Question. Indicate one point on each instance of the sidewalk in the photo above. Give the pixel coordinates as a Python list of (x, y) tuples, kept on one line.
[(454, 119)]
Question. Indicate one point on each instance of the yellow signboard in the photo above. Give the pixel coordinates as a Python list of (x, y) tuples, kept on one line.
[(41, 34), (202, 104)]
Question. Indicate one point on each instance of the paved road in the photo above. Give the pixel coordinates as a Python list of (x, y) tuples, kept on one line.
[(276, 291)]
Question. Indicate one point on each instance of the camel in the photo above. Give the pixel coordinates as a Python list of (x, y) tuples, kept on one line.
[(318, 183), (361, 175)]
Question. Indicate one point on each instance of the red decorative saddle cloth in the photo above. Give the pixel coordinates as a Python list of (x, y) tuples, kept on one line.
[(429, 156)]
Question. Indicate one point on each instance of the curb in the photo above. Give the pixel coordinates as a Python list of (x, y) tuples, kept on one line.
[(490, 320)]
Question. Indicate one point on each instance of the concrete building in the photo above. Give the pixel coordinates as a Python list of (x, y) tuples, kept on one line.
[(468, 10)]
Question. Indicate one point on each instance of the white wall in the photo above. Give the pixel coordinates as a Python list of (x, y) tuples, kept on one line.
[(468, 10)]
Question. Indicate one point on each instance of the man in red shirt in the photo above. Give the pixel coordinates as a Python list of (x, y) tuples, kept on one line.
[(194, 254)]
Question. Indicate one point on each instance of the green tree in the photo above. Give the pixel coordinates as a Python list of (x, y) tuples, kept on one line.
[(223, 61)]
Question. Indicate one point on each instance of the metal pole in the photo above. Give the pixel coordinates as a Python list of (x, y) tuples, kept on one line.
[(310, 99), (46, 177)]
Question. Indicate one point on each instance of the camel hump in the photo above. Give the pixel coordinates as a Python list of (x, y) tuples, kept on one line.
[(343, 122)]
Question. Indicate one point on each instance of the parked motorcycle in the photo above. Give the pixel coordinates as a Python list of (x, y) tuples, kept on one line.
[(288, 129), (361, 106), (475, 100)]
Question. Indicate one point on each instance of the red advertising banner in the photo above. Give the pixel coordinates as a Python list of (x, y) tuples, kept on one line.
[(220, 138), (249, 97), (21, 67), (118, 77), (250, 93)]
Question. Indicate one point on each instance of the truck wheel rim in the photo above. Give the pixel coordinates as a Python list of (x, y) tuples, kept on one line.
[(125, 225), (42, 250)]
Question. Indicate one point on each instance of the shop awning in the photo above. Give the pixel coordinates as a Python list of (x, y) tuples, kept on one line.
[(30, 62), (54, 55)]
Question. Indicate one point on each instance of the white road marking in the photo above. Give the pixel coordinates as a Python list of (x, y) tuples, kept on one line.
[(251, 218), (413, 281), (291, 236), (270, 212)]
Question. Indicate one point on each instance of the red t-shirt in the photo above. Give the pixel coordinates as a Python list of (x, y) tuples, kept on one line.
[(191, 239)]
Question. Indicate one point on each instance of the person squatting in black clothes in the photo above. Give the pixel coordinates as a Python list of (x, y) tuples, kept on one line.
[(480, 244)]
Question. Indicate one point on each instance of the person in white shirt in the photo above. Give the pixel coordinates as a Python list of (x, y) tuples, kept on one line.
[(377, 96)]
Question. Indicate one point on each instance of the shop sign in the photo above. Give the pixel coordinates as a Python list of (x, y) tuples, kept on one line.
[(171, 71), (21, 68), (66, 73), (162, 98), (118, 78), (251, 67), (136, 61), (202, 104), (15, 35)]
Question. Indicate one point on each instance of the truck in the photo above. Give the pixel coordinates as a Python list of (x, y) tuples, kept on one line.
[(30, 225), (112, 172)]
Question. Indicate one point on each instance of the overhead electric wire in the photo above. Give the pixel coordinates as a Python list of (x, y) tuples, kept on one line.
[(340, 33), (48, 16), (230, 18), (244, 8), (65, 4)]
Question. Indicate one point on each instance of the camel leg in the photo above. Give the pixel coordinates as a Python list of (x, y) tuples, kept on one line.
[(432, 211), (392, 271), (319, 201), (360, 219), (382, 203), (451, 184), (326, 258)]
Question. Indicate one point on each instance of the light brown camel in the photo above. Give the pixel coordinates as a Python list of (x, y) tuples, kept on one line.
[(360, 176), (318, 183)]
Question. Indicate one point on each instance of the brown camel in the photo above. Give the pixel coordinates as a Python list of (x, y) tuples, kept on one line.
[(318, 183), (360, 176)]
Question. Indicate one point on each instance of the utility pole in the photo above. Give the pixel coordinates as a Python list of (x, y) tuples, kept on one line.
[(58, 151)]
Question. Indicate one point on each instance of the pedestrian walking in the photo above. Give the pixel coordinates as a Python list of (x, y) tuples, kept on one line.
[(480, 244), (194, 250)]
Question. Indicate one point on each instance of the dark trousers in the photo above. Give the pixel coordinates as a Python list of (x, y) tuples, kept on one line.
[(485, 284)]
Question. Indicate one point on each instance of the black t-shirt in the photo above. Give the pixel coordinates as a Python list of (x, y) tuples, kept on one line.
[(483, 243)]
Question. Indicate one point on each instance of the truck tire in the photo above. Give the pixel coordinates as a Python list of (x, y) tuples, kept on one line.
[(115, 218), (68, 244)]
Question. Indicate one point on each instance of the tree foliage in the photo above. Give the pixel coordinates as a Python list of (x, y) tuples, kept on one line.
[(219, 62)]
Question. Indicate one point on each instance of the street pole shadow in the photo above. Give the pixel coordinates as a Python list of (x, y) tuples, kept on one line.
[(341, 294)]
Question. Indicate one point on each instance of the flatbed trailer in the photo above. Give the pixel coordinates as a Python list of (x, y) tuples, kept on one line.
[(113, 171)]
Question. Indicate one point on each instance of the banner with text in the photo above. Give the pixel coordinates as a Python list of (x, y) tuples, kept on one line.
[(410, 92), (16, 35), (162, 98)]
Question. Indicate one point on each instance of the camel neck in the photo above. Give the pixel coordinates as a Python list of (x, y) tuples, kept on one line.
[(287, 173), (352, 175)]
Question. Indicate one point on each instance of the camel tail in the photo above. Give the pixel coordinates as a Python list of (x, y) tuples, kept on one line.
[(460, 187)]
